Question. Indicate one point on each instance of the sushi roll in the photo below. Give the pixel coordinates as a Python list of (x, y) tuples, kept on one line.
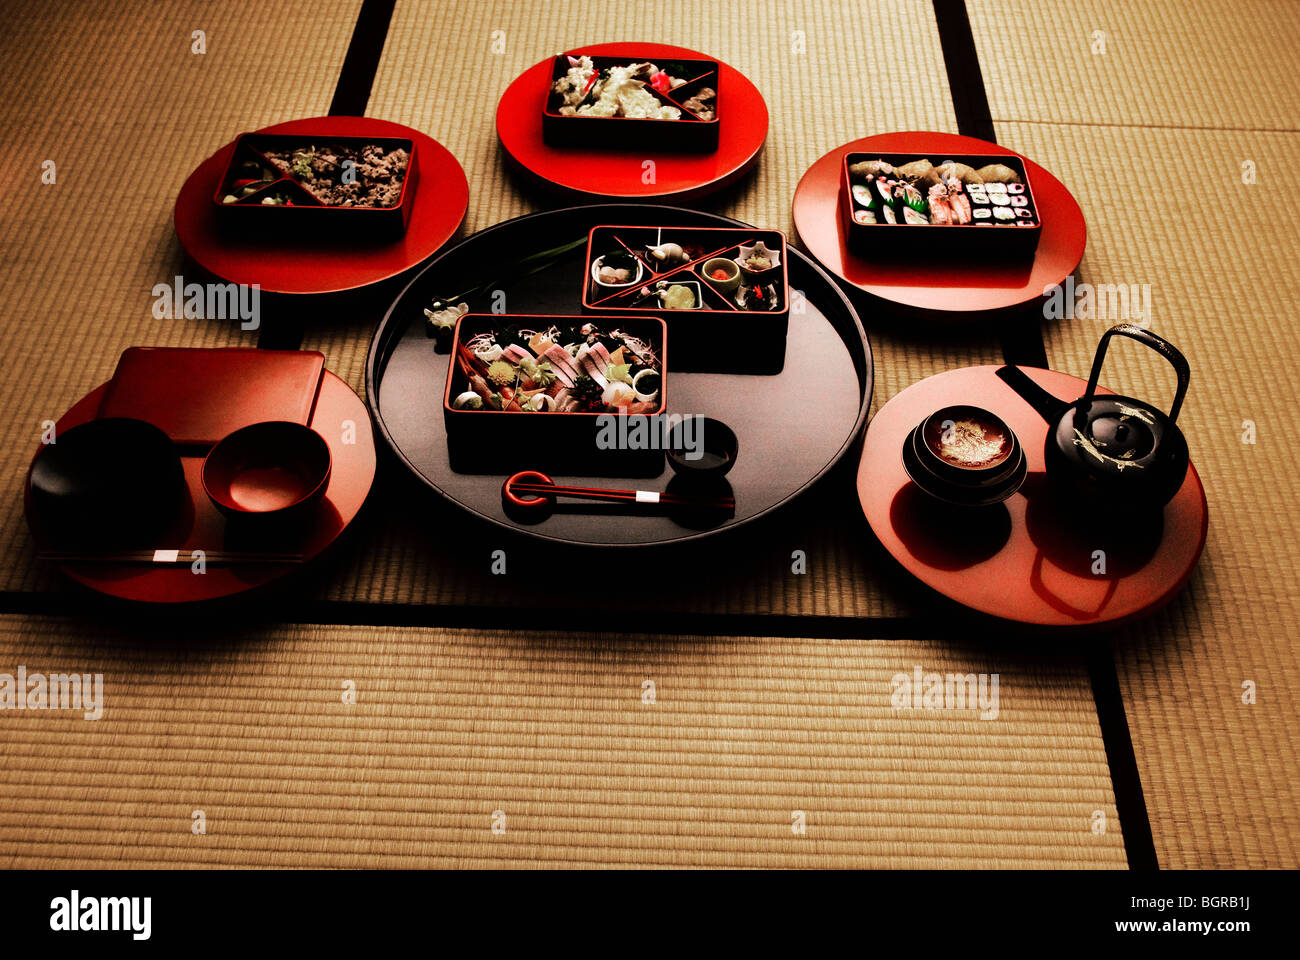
[(885, 190), (867, 195), (887, 213), (1003, 213), (864, 216), (1026, 214), (1015, 188), (982, 213), (914, 217), (1020, 201)]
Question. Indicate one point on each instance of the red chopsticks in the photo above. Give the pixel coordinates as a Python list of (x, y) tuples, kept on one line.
[(534, 492)]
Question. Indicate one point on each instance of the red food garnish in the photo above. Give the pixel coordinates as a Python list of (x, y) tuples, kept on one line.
[(594, 77), (719, 274)]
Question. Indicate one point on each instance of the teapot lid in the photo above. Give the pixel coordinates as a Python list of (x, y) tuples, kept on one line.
[(1113, 436), (1117, 433)]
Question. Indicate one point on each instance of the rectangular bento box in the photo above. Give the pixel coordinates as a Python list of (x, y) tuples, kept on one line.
[(492, 439), (588, 98), (724, 291), (905, 205), (288, 182)]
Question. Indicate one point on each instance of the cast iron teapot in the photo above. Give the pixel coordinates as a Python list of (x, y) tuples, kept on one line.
[(1107, 449)]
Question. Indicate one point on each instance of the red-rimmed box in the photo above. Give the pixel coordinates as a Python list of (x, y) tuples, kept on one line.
[(303, 209), (691, 132), (730, 329), (868, 234), (566, 443)]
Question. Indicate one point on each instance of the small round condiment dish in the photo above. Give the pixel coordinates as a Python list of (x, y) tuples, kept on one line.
[(703, 449)]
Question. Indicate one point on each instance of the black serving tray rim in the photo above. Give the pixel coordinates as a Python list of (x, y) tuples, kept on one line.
[(387, 333)]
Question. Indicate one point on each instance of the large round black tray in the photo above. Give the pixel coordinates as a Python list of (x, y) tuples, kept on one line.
[(793, 426)]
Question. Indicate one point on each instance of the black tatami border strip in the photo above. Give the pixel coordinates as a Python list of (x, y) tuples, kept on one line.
[(1021, 340), (352, 94), (1125, 778), (344, 613), (284, 329)]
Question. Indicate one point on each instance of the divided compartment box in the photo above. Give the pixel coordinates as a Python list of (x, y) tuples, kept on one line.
[(561, 443), (688, 133), (983, 238), (722, 333), (304, 212)]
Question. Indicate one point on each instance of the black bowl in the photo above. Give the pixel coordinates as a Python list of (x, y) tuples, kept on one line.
[(107, 483), (705, 449), (969, 494)]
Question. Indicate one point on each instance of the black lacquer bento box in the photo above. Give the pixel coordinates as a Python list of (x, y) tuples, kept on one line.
[(354, 187), (519, 396), (621, 103), (968, 205), (725, 292)]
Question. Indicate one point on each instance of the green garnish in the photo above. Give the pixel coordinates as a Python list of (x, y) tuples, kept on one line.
[(302, 163), (540, 373)]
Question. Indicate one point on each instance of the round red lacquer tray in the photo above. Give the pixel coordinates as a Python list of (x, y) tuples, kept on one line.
[(1030, 559), (940, 285), (339, 417), (601, 174), (325, 265)]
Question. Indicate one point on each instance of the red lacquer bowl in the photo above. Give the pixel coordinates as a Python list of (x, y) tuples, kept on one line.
[(267, 469)]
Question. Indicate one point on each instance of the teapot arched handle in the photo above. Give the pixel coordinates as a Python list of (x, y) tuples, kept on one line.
[(1157, 343)]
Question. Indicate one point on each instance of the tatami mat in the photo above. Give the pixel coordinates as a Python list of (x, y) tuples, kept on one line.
[(813, 109), (584, 749), (451, 727), (1222, 777), (112, 93), (1147, 63)]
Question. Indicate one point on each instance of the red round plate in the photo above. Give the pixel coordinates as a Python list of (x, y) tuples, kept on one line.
[(939, 285), (1028, 562), (441, 199), (340, 417), (617, 174)]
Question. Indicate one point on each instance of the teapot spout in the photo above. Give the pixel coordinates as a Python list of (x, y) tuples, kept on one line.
[(1050, 408)]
